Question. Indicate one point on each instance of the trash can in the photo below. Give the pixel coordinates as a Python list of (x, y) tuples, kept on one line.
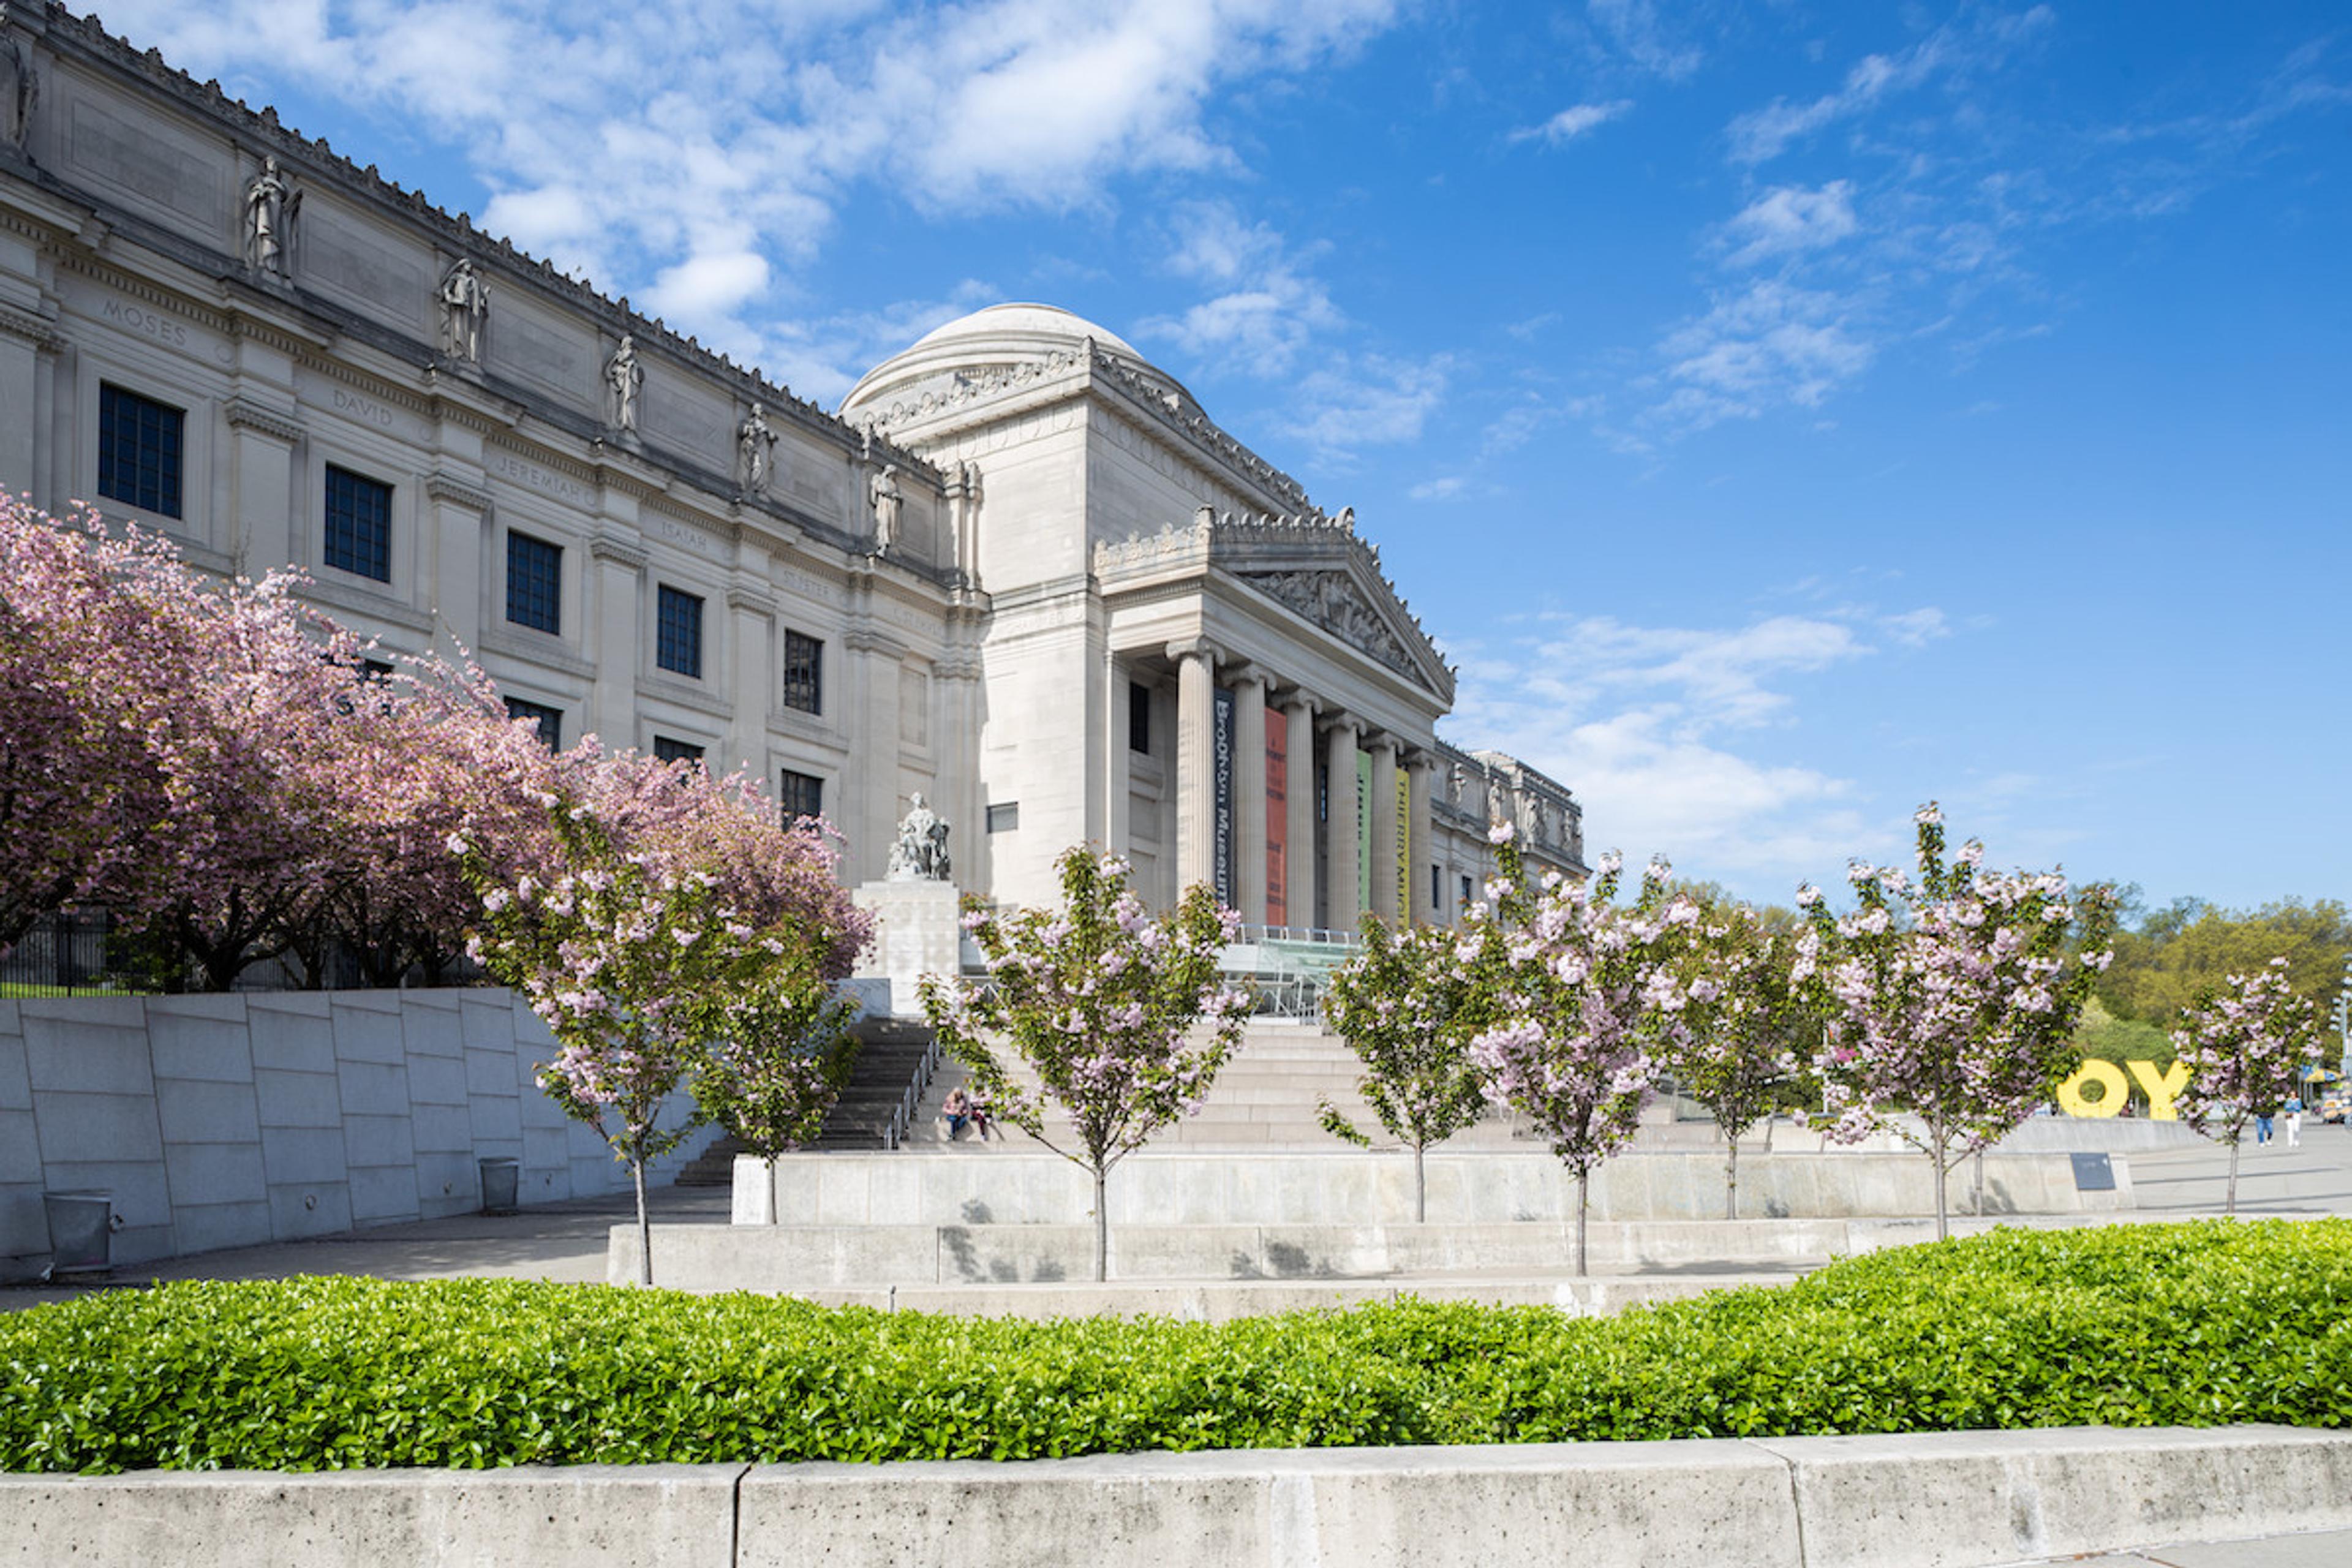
[(81, 1226), (501, 1180)]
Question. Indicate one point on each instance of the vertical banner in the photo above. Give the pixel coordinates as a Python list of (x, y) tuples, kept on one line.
[(1346, 919), (1277, 821), (1222, 767), (1404, 847)]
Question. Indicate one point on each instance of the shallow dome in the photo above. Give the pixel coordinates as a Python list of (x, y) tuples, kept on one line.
[(996, 335)]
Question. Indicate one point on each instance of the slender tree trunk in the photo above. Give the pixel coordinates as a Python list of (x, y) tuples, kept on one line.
[(2231, 1208), (1584, 1257), (1977, 1206), (1102, 1230), (1419, 1187), (1731, 1179), (1941, 1154), (1770, 1119), (645, 1226)]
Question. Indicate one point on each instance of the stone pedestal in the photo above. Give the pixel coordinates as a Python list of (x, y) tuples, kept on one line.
[(916, 931)]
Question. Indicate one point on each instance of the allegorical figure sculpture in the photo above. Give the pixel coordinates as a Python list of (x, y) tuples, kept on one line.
[(271, 202), (464, 306), (20, 88), (625, 378), (921, 854), (755, 452), (883, 492)]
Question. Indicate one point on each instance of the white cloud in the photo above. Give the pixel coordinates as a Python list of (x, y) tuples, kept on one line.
[(1772, 346), (1572, 123), (1787, 219), (1633, 26), (1367, 400), (664, 150), (1268, 306), (1657, 730)]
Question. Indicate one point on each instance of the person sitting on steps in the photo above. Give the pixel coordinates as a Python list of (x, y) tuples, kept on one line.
[(958, 1110)]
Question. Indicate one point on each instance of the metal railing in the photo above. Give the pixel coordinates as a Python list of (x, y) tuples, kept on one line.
[(902, 1116), (67, 955)]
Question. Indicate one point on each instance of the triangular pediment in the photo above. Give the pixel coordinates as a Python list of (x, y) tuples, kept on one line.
[(1333, 583)]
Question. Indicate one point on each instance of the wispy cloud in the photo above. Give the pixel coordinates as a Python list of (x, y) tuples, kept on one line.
[(1573, 122), (1786, 219), (1771, 345), (1267, 304), (1634, 28), (1366, 400), (1660, 730)]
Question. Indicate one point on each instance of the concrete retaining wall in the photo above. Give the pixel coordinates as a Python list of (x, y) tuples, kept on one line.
[(1007, 1184), (268, 1116), (1968, 1500)]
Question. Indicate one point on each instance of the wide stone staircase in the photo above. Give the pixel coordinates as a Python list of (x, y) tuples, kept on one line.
[(887, 1065)]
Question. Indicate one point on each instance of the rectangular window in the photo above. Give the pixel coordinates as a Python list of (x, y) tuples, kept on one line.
[(804, 673), (1138, 717), (1466, 895), (139, 451), (548, 720), (359, 525), (1436, 888), (1004, 818), (803, 796), (535, 583), (678, 635), (670, 751)]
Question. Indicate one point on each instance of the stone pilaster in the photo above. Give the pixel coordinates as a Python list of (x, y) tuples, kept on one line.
[(870, 793), (459, 513), (617, 564), (1118, 771), (753, 612), (259, 531)]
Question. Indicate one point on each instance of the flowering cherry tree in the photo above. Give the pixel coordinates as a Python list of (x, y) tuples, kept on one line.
[(779, 1062), (1409, 1005), (1956, 993), (1751, 1016), (2241, 1042), (663, 912), (1583, 997), (1100, 1000)]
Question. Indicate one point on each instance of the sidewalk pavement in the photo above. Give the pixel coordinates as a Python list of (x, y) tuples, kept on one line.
[(2322, 1549)]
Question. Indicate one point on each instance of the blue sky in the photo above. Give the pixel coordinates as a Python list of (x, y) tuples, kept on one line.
[(1781, 413)]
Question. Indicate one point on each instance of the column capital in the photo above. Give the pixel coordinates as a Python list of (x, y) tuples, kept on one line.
[(1382, 741), (619, 551), (1290, 698), (1247, 674), (451, 491), (752, 599), (1194, 647), (1340, 718)]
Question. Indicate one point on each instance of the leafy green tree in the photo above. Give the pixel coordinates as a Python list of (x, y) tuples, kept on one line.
[(779, 1061), (1409, 1005), (2172, 954)]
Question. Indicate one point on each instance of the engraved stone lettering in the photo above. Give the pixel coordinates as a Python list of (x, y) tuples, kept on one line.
[(147, 323)]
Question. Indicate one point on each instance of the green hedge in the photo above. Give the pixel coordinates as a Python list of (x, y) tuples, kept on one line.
[(2190, 1324)]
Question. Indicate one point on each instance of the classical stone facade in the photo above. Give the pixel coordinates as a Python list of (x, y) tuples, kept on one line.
[(1020, 573)]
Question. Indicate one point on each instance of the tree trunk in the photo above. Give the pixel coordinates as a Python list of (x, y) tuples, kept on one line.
[(1731, 1180), (645, 1226), (1769, 1117), (1976, 1205), (1102, 1230), (1584, 1257), (1419, 1187), (2231, 1206), (1936, 1151)]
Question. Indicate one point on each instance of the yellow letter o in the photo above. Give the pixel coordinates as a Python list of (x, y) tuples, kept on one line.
[(2111, 1085)]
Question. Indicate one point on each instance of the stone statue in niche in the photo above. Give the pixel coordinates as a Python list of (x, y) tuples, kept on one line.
[(625, 380), (921, 853), (883, 494), (20, 88), (755, 452), (1454, 785), (271, 205), (464, 306)]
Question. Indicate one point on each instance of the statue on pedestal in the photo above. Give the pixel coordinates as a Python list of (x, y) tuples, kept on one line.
[(624, 379), (921, 854), (465, 305), (271, 202), (755, 452)]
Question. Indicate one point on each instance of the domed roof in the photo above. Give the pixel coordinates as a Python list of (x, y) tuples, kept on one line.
[(997, 335), (996, 322)]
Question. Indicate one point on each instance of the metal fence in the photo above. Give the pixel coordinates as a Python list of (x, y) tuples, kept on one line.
[(75, 954)]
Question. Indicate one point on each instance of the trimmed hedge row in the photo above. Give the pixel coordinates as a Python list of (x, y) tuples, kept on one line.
[(2191, 1324)]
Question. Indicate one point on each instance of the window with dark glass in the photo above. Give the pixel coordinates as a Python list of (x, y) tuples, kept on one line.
[(1138, 717), (359, 524), (548, 720), (1004, 818), (803, 796), (1436, 888), (139, 451), (804, 673), (678, 633), (670, 751), (1465, 892), (534, 579)]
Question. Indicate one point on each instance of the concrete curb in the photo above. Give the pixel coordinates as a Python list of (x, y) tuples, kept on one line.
[(1962, 1500)]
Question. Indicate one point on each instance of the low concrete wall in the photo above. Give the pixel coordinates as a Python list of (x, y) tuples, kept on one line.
[(1007, 1184), (231, 1121), (802, 1258), (1970, 1499)]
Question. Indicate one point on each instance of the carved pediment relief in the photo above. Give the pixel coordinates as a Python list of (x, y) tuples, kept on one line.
[(1332, 600)]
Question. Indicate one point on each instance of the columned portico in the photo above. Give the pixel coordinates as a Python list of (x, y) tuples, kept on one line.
[(1196, 791), (1381, 897), (1299, 811), (1249, 791), (1416, 896)]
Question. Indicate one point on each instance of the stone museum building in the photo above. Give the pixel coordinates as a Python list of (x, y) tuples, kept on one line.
[(1020, 571)]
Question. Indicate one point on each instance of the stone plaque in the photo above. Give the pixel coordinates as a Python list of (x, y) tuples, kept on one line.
[(557, 355), (679, 413), (2093, 1174), (140, 158), (368, 267)]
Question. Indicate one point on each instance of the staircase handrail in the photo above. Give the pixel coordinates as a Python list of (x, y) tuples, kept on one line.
[(902, 1117)]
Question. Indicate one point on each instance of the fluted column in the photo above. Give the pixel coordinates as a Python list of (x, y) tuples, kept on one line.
[(1381, 897), (1299, 805), (1196, 782), (1249, 794), (1425, 910), (1339, 829)]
